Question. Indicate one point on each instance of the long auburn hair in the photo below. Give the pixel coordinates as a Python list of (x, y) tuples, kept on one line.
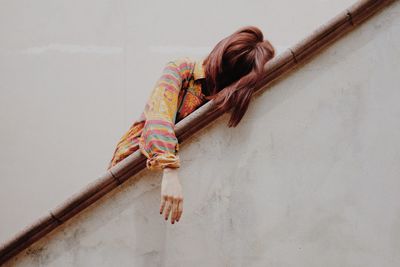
[(233, 70)]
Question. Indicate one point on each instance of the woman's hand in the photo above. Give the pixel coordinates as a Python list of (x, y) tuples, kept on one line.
[(171, 195)]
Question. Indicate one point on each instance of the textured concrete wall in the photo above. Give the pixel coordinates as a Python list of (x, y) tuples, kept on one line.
[(309, 178), (75, 74)]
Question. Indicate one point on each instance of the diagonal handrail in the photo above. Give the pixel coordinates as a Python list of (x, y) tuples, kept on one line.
[(307, 48)]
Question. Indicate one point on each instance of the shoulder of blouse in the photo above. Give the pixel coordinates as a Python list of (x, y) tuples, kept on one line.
[(183, 65), (189, 68)]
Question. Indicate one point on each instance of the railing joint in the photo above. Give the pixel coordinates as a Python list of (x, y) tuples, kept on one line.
[(55, 218), (350, 17), (293, 55), (115, 178)]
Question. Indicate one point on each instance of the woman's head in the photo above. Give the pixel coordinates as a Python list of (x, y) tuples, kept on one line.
[(236, 64)]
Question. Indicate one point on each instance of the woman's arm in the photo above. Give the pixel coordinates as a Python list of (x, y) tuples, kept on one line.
[(158, 141)]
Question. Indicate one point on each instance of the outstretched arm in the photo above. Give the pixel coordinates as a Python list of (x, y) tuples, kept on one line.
[(158, 141)]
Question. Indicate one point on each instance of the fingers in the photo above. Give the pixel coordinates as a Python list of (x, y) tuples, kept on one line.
[(180, 209), (171, 205), (162, 205), (174, 210), (168, 206), (177, 209)]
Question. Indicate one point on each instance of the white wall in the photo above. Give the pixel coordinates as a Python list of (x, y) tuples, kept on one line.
[(309, 178), (75, 74)]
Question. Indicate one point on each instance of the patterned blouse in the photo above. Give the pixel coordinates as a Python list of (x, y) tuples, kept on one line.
[(179, 91)]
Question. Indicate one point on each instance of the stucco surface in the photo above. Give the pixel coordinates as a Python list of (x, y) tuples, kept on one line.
[(309, 178), (75, 74)]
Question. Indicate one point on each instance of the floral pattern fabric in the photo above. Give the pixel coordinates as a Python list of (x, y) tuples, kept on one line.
[(177, 93)]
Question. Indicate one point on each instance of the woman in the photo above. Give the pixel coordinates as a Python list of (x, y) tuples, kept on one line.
[(235, 64)]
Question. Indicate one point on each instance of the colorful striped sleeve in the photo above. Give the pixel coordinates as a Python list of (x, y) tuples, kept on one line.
[(158, 141)]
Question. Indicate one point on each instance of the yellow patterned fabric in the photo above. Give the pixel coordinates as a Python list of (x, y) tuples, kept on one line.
[(177, 93)]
